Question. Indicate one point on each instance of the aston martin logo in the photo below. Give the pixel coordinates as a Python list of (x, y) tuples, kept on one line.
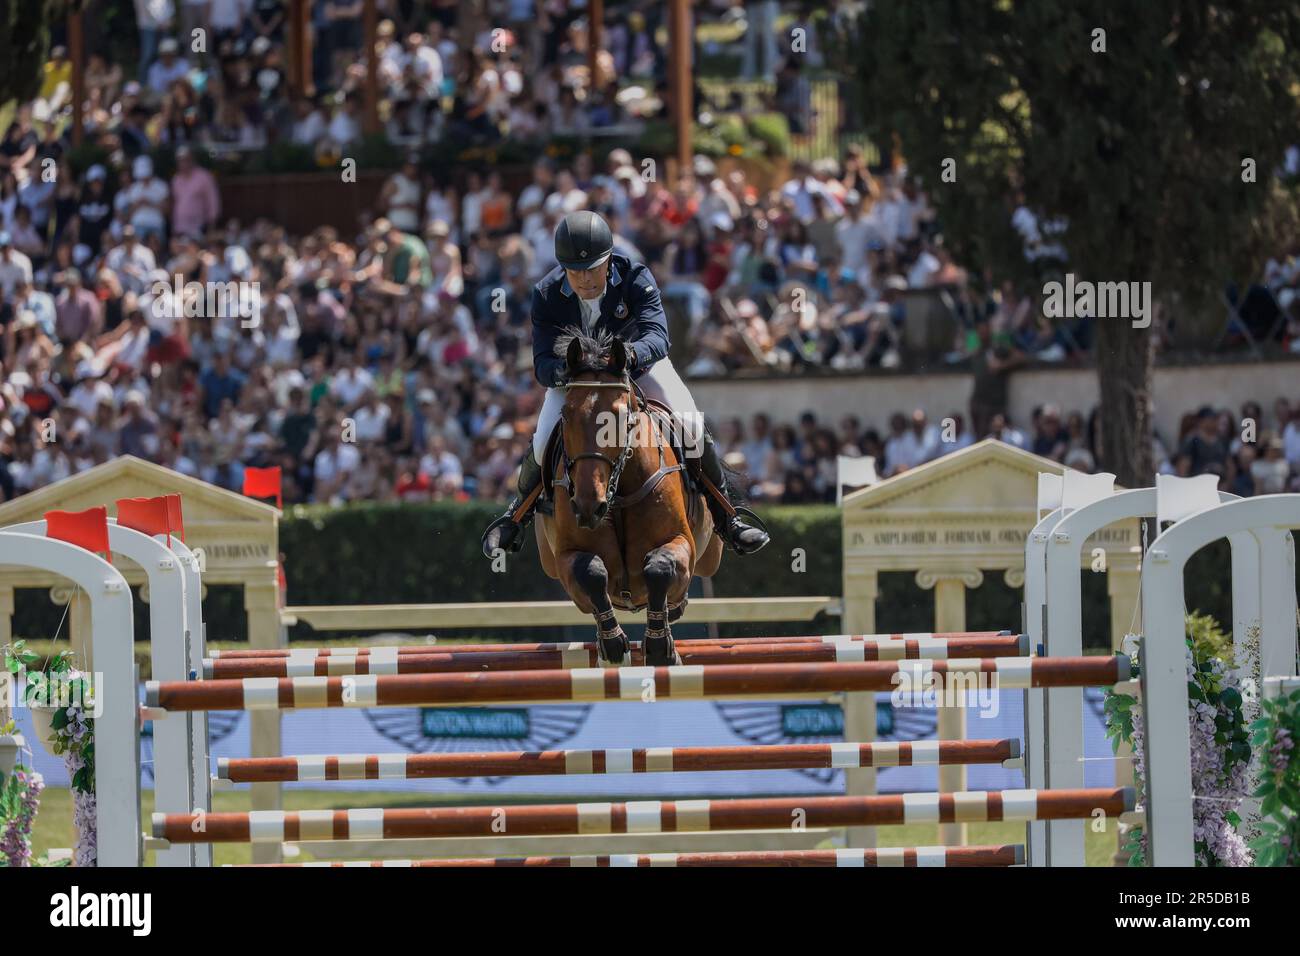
[(462, 729)]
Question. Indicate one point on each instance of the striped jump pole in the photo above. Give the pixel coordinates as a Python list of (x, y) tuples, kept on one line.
[(580, 655), (942, 637), (847, 756), (681, 816), (644, 684), (921, 856)]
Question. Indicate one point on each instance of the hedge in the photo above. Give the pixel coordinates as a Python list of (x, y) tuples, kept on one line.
[(411, 554)]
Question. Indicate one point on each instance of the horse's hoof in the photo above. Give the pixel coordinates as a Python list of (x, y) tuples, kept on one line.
[(613, 649), (661, 651)]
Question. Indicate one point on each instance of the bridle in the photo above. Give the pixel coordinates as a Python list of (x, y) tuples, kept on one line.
[(616, 465)]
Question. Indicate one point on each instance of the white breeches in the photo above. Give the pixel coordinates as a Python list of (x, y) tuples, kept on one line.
[(661, 382)]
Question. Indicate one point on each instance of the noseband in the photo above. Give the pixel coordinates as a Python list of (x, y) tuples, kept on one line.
[(616, 465)]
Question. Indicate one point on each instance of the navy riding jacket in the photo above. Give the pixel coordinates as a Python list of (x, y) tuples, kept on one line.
[(631, 309)]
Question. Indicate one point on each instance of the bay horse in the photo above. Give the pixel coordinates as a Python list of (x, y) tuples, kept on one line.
[(627, 530)]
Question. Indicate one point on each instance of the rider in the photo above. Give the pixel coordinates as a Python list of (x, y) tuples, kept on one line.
[(603, 292)]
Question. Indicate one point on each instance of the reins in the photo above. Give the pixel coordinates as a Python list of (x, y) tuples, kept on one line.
[(616, 466)]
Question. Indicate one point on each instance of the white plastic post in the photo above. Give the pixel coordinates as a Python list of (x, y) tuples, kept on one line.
[(1035, 591), (1164, 666), (196, 650), (1064, 632), (117, 728), (172, 756)]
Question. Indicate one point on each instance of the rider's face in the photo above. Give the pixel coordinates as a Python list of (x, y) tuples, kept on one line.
[(589, 283)]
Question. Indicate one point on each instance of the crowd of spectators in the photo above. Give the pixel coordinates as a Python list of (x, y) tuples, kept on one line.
[(798, 462), (393, 360), (522, 74)]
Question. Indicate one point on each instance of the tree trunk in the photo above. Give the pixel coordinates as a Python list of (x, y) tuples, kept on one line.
[(1125, 360)]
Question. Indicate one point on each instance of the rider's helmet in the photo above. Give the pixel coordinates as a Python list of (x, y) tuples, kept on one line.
[(583, 240)]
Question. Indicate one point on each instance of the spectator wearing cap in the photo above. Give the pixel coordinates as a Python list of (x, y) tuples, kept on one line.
[(95, 209), (131, 260), (1271, 472), (196, 203), (168, 68), (144, 203), (78, 313)]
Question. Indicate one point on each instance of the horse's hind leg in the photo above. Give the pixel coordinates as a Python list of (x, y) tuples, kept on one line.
[(592, 578), (667, 572)]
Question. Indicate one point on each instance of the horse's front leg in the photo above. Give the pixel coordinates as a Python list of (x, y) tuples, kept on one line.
[(586, 577), (667, 571)]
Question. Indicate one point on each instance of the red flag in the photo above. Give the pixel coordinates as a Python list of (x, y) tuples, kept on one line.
[(87, 529), (264, 483), (160, 515), (176, 516)]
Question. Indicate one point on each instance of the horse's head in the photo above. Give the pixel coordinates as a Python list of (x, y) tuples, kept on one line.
[(597, 409)]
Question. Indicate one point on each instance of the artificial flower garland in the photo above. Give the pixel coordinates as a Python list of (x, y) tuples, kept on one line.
[(1220, 747)]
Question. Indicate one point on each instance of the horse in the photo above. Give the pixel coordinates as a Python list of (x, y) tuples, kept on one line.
[(628, 528)]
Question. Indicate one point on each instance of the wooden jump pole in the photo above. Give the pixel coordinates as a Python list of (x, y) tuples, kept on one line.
[(632, 683), (585, 655), (922, 856), (681, 816), (935, 644), (581, 762)]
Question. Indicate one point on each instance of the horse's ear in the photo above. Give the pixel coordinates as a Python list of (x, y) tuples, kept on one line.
[(618, 357), (573, 358)]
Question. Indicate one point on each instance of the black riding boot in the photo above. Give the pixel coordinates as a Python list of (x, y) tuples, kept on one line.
[(729, 521), (507, 531)]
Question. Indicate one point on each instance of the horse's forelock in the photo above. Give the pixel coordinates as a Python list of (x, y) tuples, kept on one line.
[(595, 349)]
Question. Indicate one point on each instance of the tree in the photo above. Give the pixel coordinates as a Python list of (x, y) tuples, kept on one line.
[(25, 45), (1136, 124)]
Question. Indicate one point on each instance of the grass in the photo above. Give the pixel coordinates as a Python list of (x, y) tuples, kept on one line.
[(54, 822)]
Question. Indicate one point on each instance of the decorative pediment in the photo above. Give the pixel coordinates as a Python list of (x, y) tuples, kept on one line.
[(238, 536), (972, 508), (987, 476)]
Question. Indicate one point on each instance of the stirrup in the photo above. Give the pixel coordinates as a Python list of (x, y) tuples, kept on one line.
[(511, 541), (730, 535), (751, 519)]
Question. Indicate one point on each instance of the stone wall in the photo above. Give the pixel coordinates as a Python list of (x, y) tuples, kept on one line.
[(873, 397)]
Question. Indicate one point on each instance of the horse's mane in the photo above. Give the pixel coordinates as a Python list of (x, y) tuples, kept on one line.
[(595, 349)]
